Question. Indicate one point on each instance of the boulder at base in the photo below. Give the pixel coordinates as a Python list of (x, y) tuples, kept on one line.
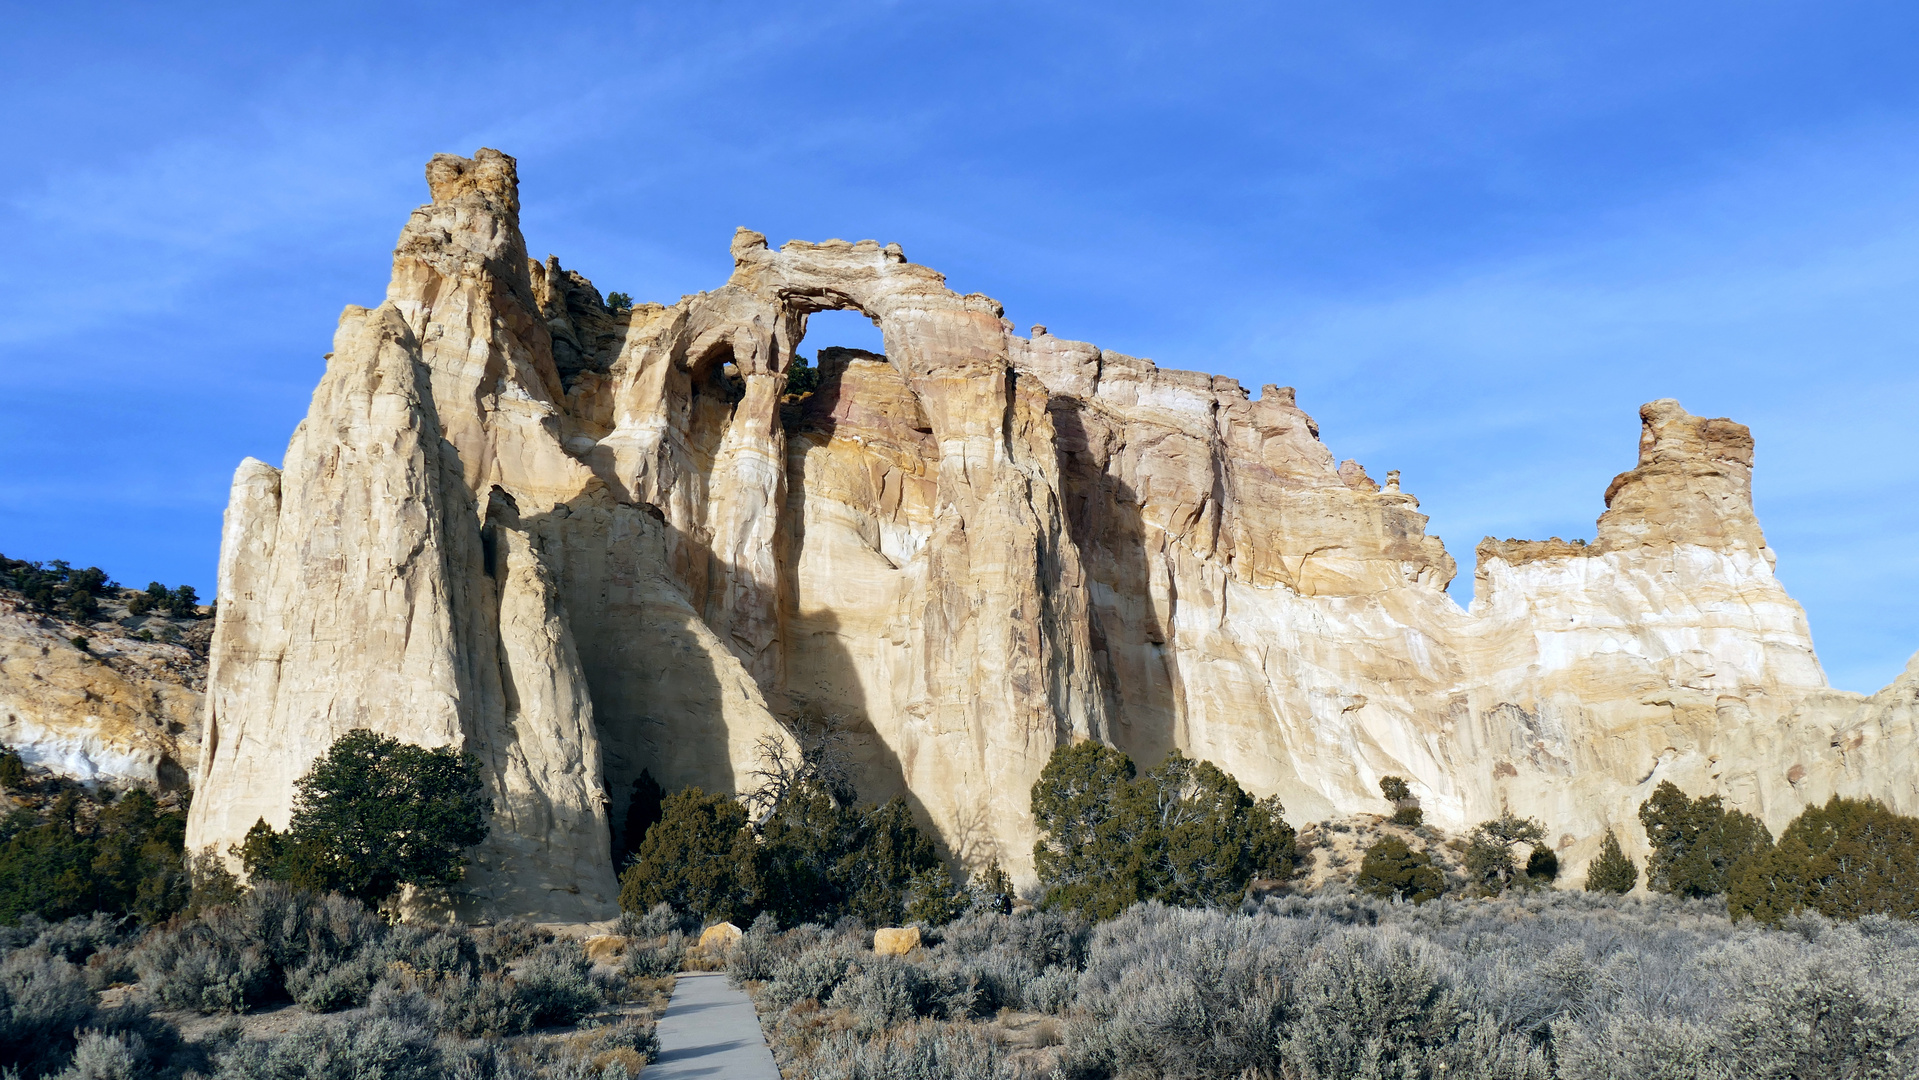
[(720, 937), (896, 940)]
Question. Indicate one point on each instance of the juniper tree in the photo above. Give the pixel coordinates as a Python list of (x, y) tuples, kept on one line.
[(1848, 858), (1391, 868), (13, 770), (698, 857), (1489, 851), (1612, 871), (1185, 833), (1542, 866), (1400, 794), (373, 814), (879, 870), (183, 602), (1695, 842)]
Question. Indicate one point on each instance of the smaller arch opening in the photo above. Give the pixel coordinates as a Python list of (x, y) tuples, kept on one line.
[(716, 386), (845, 328)]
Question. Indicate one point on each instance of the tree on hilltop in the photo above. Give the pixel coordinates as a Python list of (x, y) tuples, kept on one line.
[(1391, 868)]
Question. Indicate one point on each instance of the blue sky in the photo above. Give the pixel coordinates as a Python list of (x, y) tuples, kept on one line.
[(1475, 236)]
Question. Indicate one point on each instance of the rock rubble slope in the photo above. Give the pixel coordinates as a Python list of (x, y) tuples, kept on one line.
[(586, 543), (122, 708)]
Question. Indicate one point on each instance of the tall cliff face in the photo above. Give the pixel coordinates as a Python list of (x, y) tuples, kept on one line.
[(586, 544)]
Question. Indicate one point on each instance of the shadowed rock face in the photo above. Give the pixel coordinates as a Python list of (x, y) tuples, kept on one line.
[(585, 544)]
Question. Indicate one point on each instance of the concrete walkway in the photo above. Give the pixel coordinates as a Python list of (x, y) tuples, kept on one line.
[(710, 1032)]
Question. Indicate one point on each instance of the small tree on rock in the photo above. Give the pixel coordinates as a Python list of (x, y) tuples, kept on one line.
[(13, 770), (1406, 809), (1612, 871), (183, 602)]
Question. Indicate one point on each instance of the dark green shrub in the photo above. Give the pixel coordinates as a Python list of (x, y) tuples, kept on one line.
[(934, 898), (990, 890), (139, 604), (1185, 833), (619, 302), (1695, 842), (1846, 859), (13, 770), (1391, 868), (1612, 871), (1542, 866), (1406, 809), (886, 857), (373, 814), (125, 858), (82, 606), (698, 857), (79, 641)]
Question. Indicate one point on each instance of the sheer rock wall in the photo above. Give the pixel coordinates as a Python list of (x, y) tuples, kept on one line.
[(585, 543)]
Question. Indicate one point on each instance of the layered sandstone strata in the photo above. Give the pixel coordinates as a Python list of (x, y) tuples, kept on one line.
[(588, 543), (121, 709)]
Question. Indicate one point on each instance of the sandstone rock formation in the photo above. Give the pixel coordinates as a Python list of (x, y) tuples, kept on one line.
[(122, 709), (588, 543)]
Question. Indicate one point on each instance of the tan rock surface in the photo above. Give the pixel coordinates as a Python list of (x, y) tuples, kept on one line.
[(896, 940), (719, 938), (123, 709), (586, 544)]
